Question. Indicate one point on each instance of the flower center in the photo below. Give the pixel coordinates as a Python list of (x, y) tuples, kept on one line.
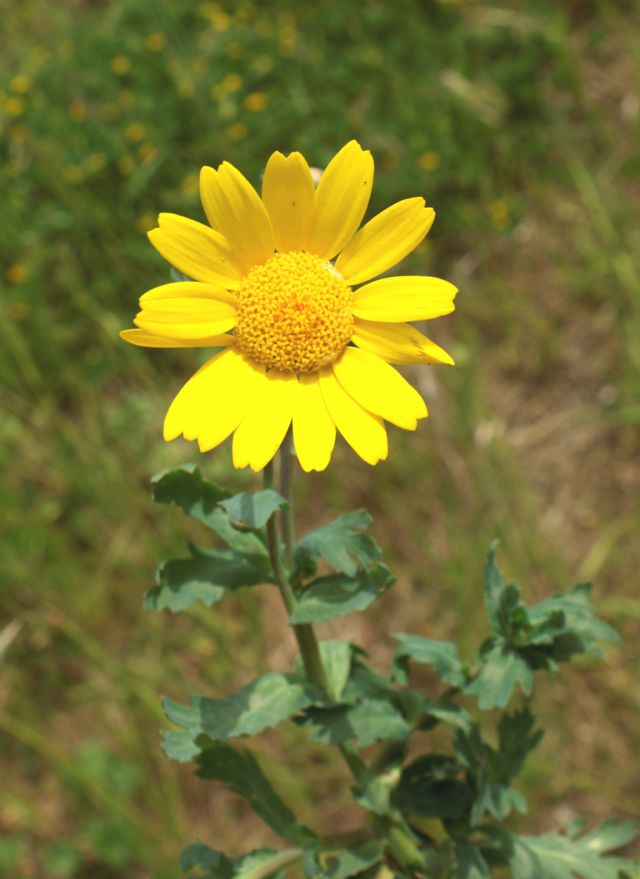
[(294, 313)]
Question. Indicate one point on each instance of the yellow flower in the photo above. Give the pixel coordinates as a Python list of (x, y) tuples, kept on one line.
[(120, 65), (20, 84), (284, 284), (155, 42), (16, 274), (14, 106), (428, 161), (237, 131), (256, 101), (135, 132)]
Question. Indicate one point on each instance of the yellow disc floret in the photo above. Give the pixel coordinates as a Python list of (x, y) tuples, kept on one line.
[(294, 313)]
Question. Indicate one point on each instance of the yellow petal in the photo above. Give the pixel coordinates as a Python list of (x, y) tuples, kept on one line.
[(290, 199), (188, 290), (195, 249), (364, 431), (379, 388), (235, 209), (186, 318), (234, 394), (385, 240), (146, 340), (314, 433), (404, 298), (260, 434), (398, 343), (341, 200), (212, 403)]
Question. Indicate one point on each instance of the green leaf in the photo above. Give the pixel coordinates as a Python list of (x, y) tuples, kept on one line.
[(432, 787), (352, 861), (185, 487), (583, 631), (262, 704), (470, 864), (368, 721), (441, 656), (516, 739), (342, 544), (336, 657), (502, 668), (494, 586), (253, 509), (207, 576), (205, 858), (240, 773), (561, 857), (338, 594)]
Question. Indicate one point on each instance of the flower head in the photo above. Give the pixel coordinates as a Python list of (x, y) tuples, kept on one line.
[(283, 283)]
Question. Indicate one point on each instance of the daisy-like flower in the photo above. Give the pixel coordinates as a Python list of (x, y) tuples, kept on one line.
[(308, 338)]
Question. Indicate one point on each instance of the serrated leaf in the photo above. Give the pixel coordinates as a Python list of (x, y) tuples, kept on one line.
[(470, 863), (185, 487), (561, 857), (199, 498), (502, 668), (342, 544), (583, 631), (260, 705), (207, 576), (441, 656), (516, 739), (352, 861), (239, 771), (368, 721), (253, 509), (338, 594)]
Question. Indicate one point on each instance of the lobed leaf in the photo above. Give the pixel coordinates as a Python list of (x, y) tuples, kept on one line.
[(338, 594), (207, 576), (260, 705), (470, 863), (502, 668), (441, 656), (253, 509), (240, 773), (342, 544)]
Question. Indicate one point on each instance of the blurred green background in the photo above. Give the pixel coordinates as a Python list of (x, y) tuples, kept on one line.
[(519, 122)]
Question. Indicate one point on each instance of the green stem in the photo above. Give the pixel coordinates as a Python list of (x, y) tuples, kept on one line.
[(401, 845)]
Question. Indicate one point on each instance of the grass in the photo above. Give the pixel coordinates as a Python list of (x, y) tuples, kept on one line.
[(518, 123)]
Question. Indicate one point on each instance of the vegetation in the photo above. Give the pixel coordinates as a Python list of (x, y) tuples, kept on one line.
[(518, 122)]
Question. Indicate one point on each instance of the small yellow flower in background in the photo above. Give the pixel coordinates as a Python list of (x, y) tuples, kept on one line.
[(284, 283), (20, 84), (216, 16), (135, 132), (77, 111), (155, 42), (95, 162), (235, 50), (12, 168), (499, 213), (263, 64), (146, 222), (120, 65), (125, 165), (237, 131), (16, 274), (189, 184), (229, 84), (74, 174), (186, 88), (256, 101), (20, 310), (428, 161), (14, 106), (147, 153)]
